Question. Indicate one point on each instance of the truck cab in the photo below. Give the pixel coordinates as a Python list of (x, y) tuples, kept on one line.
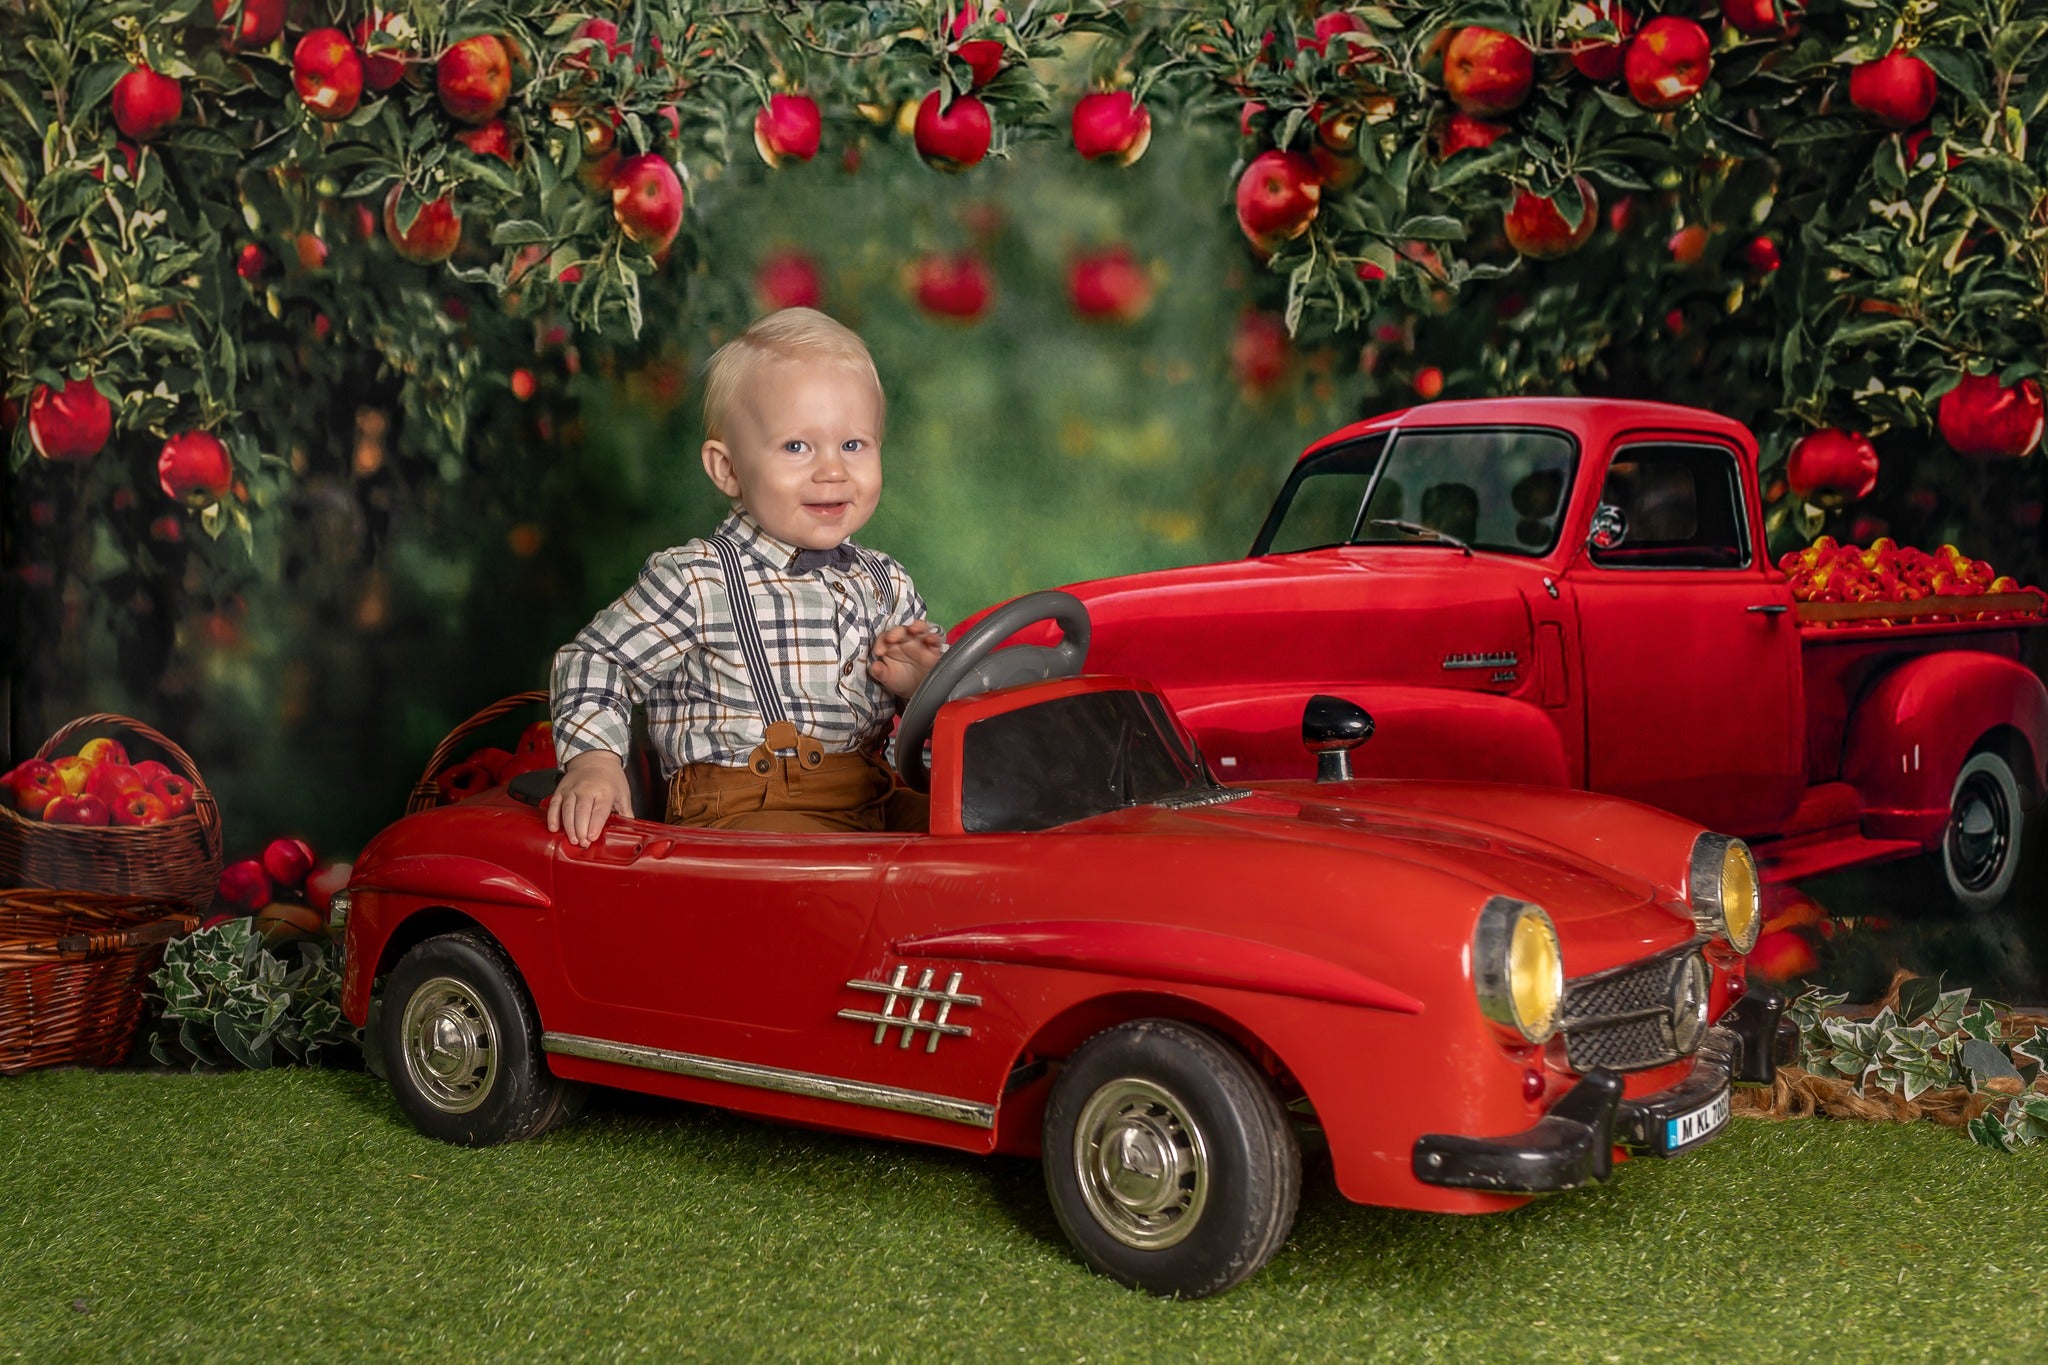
[(1576, 592)]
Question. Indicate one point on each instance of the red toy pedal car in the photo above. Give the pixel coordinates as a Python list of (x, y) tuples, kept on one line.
[(1101, 956)]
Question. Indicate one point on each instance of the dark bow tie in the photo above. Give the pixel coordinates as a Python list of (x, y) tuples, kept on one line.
[(808, 561)]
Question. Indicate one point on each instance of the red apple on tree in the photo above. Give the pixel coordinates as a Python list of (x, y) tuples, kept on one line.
[(1110, 284), (434, 234), (1429, 382), (957, 285), (260, 23), (1988, 420), (1463, 133), (954, 137), (1897, 89), (71, 423), (589, 36), (194, 469), (647, 200), (1832, 467), (252, 262), (984, 56), (1762, 254), (328, 73), (474, 78), (1109, 125), (1761, 18), (1599, 59), (382, 67), (1668, 62), (1277, 198), (1688, 244), (287, 861), (787, 128), (788, 279), (145, 103), (1487, 71), (489, 138), (1258, 351), (1537, 227)]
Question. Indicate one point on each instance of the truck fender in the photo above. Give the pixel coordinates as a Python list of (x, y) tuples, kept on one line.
[(1911, 733), (1417, 732)]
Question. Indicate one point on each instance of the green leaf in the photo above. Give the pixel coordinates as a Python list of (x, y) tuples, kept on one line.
[(1987, 1062), (519, 232), (94, 85), (1432, 228)]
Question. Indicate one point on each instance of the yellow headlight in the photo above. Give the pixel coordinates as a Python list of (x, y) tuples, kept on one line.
[(1725, 890), (1517, 969)]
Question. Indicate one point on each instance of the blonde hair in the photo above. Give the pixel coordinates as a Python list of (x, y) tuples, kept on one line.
[(799, 334)]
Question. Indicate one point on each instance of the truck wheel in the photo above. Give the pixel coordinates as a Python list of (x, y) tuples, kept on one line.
[(461, 1043), (1982, 849), (1170, 1162)]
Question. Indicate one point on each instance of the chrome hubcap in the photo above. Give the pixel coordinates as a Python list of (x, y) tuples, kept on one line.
[(1142, 1167), (1977, 832), (450, 1044)]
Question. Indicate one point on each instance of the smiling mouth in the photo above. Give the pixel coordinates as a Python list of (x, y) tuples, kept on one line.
[(828, 508)]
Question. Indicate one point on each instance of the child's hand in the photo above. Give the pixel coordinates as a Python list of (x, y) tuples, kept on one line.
[(904, 654), (593, 786)]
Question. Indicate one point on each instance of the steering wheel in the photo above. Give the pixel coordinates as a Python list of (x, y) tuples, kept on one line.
[(976, 665)]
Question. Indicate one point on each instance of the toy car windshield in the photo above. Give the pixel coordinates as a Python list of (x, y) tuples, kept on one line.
[(1069, 758)]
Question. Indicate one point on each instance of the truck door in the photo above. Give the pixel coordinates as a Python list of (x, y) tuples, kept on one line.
[(1691, 649)]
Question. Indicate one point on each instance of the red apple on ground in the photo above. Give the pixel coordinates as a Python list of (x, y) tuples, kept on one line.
[(328, 73), (1897, 89), (1277, 198), (1463, 133), (787, 128), (957, 286), (1832, 466), (260, 23), (434, 234), (1599, 59), (1110, 284), (287, 861), (1987, 420), (1537, 227), (1109, 125), (245, 886), (474, 78), (489, 138), (145, 103), (174, 791), (1761, 18), (1487, 71), (99, 751), (647, 200), (322, 884), (1668, 62), (69, 424), (1782, 955), (984, 56), (194, 469), (1259, 351), (81, 809), (955, 137), (384, 67), (138, 807), (788, 279)]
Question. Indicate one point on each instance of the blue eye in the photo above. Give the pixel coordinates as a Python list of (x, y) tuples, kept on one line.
[(793, 447), (853, 445)]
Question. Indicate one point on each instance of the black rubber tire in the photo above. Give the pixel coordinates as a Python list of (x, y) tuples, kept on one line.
[(485, 1003), (1252, 1172), (1994, 789)]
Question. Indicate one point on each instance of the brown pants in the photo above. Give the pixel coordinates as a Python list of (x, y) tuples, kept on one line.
[(843, 792)]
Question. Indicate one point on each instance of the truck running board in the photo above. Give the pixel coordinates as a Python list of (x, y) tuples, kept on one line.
[(1809, 855)]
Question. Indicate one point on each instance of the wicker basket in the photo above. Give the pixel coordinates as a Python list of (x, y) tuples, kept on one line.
[(425, 795), (71, 972), (177, 860)]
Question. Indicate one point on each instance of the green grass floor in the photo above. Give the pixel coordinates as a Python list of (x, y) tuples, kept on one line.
[(293, 1215)]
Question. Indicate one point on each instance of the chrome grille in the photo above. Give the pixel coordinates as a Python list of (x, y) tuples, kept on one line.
[(1621, 1019)]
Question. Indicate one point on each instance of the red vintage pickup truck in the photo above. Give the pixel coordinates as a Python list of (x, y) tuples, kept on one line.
[(1575, 592)]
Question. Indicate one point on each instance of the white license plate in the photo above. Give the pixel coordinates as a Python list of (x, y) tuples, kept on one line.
[(1700, 1123)]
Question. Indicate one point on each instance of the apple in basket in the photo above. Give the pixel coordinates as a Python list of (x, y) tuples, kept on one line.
[(112, 781), (175, 792), (98, 751), (151, 770), (31, 785), (81, 809), (72, 771), (535, 761), (139, 807), (536, 737), (491, 759), (460, 781)]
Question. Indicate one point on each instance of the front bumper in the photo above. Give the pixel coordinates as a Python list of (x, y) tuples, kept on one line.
[(1573, 1145)]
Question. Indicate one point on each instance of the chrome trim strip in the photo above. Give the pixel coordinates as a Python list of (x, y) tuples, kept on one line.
[(804, 1083), (1502, 659)]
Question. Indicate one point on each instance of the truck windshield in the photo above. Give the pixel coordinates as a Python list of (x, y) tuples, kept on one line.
[(1499, 488)]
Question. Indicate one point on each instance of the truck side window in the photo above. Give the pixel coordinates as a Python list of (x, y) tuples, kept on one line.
[(1683, 505)]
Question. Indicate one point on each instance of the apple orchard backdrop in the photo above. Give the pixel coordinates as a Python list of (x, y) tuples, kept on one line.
[(352, 353)]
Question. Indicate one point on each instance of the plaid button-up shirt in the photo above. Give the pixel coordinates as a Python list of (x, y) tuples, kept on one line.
[(669, 642)]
